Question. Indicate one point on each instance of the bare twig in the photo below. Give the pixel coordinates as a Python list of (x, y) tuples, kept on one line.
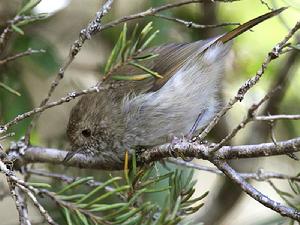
[(7, 31), (273, 54), (260, 175), (258, 196), (248, 118), (41, 209), (266, 4), (152, 11), (28, 190), (69, 97), (20, 204), (17, 20), (190, 24), (6, 136), (195, 166), (21, 54), (276, 117)]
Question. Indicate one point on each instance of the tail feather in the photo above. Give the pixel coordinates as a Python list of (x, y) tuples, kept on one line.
[(248, 25)]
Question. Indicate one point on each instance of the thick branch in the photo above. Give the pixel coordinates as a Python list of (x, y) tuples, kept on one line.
[(181, 148)]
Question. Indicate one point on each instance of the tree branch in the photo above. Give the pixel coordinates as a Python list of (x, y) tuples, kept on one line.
[(21, 54), (191, 24), (260, 175), (258, 196), (180, 148), (153, 11)]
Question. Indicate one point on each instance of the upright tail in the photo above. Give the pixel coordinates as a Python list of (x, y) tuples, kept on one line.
[(248, 25)]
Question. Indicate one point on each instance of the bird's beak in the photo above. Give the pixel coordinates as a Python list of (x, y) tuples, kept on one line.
[(70, 155)]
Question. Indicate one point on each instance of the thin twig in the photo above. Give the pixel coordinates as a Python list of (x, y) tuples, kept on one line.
[(27, 189), (266, 4), (260, 175), (70, 96), (17, 20), (152, 11), (255, 194), (191, 24), (20, 203), (245, 121), (21, 54), (41, 209), (7, 31), (7, 135), (276, 117)]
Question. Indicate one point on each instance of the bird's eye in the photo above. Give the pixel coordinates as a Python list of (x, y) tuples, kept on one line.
[(86, 132)]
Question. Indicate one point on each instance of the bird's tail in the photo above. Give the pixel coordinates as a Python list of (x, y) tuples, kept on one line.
[(248, 25)]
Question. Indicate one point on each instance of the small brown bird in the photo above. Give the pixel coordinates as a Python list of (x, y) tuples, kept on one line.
[(150, 112)]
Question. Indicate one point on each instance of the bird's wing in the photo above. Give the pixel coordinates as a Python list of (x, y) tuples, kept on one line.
[(171, 57)]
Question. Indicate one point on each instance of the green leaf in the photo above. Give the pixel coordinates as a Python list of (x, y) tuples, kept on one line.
[(198, 198), (115, 52), (120, 219), (97, 189), (134, 221), (17, 29), (146, 30), (13, 78), (138, 77), (124, 42), (133, 171), (9, 89), (125, 207), (29, 6), (75, 184), (32, 19), (176, 208), (39, 185), (155, 74), (188, 195), (108, 207), (71, 197), (157, 179), (100, 198), (148, 41), (67, 216), (145, 57), (82, 218), (192, 210), (158, 189)]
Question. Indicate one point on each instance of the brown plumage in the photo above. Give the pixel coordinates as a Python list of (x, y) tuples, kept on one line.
[(151, 111)]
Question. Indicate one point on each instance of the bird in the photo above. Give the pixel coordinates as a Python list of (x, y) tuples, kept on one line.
[(149, 112)]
